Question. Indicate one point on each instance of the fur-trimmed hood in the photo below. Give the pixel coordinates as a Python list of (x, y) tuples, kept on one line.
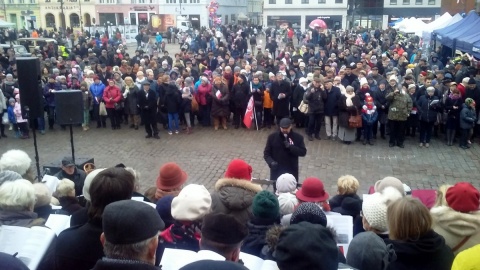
[(460, 224), (234, 196)]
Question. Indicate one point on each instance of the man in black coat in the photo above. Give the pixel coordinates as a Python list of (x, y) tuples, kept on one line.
[(70, 171), (280, 94), (147, 100), (282, 151), (331, 109)]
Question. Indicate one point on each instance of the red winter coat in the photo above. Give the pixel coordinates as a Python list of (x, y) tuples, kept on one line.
[(111, 92), (203, 91)]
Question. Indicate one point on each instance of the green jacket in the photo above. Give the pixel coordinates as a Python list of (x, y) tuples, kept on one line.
[(400, 106)]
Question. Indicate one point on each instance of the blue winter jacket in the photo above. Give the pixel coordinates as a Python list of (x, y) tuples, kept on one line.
[(467, 117), (97, 92), (50, 97)]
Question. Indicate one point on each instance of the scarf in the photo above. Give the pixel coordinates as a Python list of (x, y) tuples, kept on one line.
[(349, 101), (452, 97)]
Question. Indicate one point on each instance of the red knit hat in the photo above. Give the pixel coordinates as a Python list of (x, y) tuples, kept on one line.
[(463, 197), (239, 169), (171, 176), (368, 98), (312, 191)]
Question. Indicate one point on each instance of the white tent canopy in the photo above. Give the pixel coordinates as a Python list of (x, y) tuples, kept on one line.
[(4, 24), (412, 25)]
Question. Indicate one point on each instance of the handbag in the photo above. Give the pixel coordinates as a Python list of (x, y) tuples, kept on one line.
[(355, 121), (194, 105), (102, 110), (5, 119), (117, 106), (303, 107)]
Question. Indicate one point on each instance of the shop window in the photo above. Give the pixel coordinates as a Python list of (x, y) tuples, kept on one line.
[(74, 20), (50, 20), (133, 18), (142, 18)]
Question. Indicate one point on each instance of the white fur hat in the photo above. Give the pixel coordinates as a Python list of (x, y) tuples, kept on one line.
[(363, 81), (192, 203), (15, 160), (375, 207)]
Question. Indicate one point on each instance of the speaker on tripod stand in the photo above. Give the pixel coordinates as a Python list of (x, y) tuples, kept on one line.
[(31, 96)]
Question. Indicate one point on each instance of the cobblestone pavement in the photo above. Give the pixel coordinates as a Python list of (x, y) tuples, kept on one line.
[(204, 155)]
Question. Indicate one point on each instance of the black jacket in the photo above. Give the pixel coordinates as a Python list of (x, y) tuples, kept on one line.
[(147, 104), (281, 105), (78, 177), (287, 158), (240, 95), (255, 240), (173, 100), (428, 252), (428, 111), (331, 103), (79, 247), (297, 96), (315, 100), (111, 264), (379, 97)]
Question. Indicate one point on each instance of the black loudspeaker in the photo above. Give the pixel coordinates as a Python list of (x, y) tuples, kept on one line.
[(30, 86), (69, 107)]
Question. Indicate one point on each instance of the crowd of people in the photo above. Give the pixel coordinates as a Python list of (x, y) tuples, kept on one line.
[(355, 85), (113, 226)]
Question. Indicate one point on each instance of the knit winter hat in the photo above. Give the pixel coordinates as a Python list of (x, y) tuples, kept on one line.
[(312, 191), (171, 176), (15, 160), (6, 176), (363, 81), (239, 169), (368, 98), (368, 251), (389, 181), (223, 228), (88, 182), (192, 203), (164, 209), (393, 78), (375, 207), (286, 183), (287, 203), (309, 212), (468, 101), (463, 197), (265, 205), (306, 246)]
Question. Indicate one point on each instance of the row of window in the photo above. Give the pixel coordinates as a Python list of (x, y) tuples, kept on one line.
[(182, 1), (417, 2), (289, 2), (74, 20)]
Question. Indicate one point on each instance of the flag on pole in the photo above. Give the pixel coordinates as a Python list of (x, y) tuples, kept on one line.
[(247, 120)]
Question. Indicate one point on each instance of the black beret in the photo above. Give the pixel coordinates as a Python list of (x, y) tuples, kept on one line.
[(223, 228), (128, 222)]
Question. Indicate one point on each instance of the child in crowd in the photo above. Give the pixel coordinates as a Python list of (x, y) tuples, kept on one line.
[(186, 107), (87, 105), (369, 116), (11, 116), (22, 123)]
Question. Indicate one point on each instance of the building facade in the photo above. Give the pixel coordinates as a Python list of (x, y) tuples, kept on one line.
[(24, 13), (69, 14), (229, 10), (195, 10), (333, 12), (412, 8), (255, 10)]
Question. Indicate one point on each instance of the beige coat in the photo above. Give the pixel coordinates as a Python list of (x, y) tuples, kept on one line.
[(455, 226)]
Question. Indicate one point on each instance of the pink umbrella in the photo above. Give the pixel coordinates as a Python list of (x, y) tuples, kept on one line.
[(317, 23)]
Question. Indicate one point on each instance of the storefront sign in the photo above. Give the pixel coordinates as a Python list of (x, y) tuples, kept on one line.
[(59, 8), (142, 8)]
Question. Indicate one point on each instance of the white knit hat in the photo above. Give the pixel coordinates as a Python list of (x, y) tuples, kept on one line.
[(287, 203), (393, 77), (375, 207), (286, 183), (192, 203), (363, 81), (15, 160)]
